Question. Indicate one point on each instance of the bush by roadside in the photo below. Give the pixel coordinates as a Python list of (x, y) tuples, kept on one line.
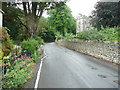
[(16, 77), (90, 35), (105, 34), (39, 39), (66, 37), (7, 43), (110, 34), (31, 45), (23, 66)]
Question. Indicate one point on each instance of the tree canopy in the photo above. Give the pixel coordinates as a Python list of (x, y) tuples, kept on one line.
[(24, 19), (11, 21), (31, 12), (61, 19), (106, 14)]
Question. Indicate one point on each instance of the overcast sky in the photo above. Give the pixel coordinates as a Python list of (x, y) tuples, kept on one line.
[(81, 6), (84, 7)]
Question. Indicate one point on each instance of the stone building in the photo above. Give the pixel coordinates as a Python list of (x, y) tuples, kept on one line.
[(83, 23)]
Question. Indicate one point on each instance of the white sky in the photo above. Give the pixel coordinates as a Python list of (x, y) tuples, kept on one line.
[(81, 6), (84, 7)]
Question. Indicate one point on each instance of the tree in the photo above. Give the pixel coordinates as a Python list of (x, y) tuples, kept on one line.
[(32, 11), (24, 17), (11, 21), (43, 25), (105, 15), (61, 19)]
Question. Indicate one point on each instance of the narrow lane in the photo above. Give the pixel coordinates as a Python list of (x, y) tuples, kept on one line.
[(64, 68)]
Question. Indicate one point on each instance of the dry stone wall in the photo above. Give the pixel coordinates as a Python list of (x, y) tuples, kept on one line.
[(106, 50)]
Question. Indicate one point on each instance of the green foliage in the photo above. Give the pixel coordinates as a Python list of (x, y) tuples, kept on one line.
[(106, 15), (45, 32), (39, 39), (48, 35), (1, 54), (12, 21), (110, 34), (43, 24), (25, 19), (16, 77), (59, 36), (7, 43), (90, 35), (67, 36), (31, 45), (61, 19), (105, 34), (35, 56)]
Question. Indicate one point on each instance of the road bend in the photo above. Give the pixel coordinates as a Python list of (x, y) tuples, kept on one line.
[(64, 68)]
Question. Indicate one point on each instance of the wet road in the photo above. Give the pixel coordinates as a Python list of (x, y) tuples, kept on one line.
[(64, 68)]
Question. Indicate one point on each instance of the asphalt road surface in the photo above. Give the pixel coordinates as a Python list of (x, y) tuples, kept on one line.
[(64, 68)]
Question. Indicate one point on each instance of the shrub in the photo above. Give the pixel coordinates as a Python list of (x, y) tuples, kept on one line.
[(59, 36), (31, 45), (90, 35), (48, 35), (39, 39), (105, 34), (7, 44), (35, 57), (67, 36), (16, 77), (110, 34), (1, 55)]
